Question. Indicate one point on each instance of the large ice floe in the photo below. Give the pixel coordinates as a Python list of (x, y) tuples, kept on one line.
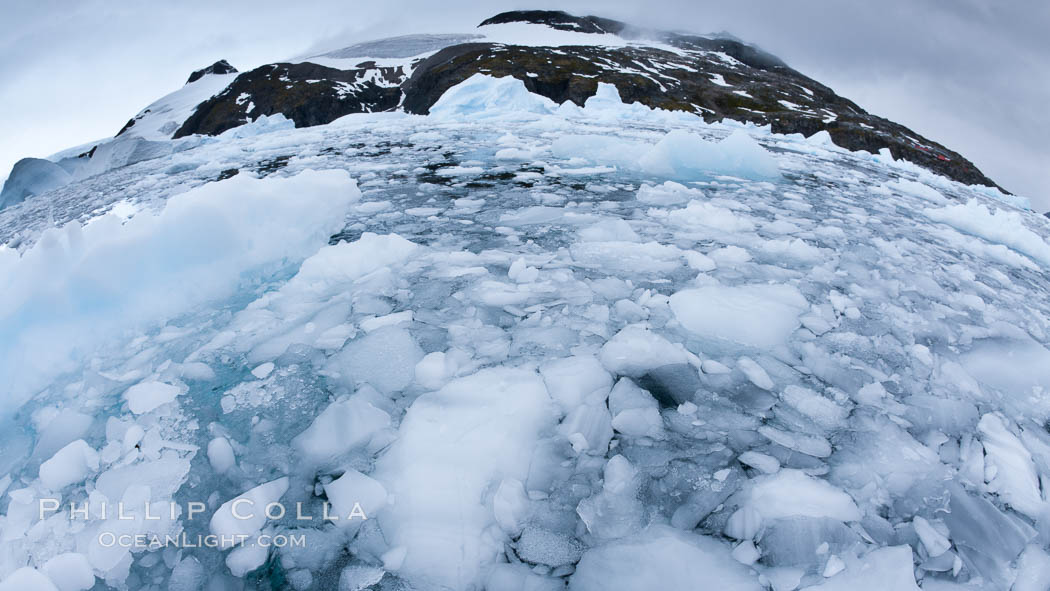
[(515, 345)]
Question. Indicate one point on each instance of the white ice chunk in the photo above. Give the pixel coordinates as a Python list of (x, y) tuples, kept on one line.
[(574, 380), (763, 463), (263, 370), (71, 464), (482, 96), (27, 578), (879, 570), (791, 493), (147, 396), (1033, 570), (385, 358), (510, 505), (70, 572), (635, 350), (683, 156), (998, 227), (245, 514), (344, 426), (662, 558), (757, 315), (669, 193), (755, 373), (220, 454), (634, 411), (454, 445), (354, 497), (1015, 479)]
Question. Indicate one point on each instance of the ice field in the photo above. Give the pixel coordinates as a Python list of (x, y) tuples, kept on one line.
[(539, 346)]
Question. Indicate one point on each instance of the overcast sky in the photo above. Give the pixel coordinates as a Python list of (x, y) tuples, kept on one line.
[(973, 75)]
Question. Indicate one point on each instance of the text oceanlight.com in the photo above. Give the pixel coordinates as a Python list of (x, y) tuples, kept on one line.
[(183, 540)]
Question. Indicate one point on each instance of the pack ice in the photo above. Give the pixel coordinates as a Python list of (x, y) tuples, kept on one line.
[(515, 345)]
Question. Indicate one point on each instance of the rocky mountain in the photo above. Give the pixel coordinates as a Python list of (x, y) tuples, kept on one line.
[(711, 77), (562, 57)]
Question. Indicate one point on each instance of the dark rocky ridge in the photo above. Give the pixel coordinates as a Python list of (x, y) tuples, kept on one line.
[(716, 78), (219, 67), (308, 94)]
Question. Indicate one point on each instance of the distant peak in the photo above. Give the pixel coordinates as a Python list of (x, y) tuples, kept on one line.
[(219, 67), (557, 19)]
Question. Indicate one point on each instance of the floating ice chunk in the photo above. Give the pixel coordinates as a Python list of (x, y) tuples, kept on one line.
[(435, 369), (187, 575), (359, 577), (163, 476), (708, 493), (262, 125), (746, 553), (99, 280), (810, 445), (804, 542), (510, 505), (245, 514), (65, 427), (599, 149), (71, 464), (835, 565), (612, 230), (244, 559), (669, 193), (822, 411), (760, 461), (354, 497), (615, 511), (1033, 570), (987, 539), (791, 493), (700, 215), (519, 577), (661, 558), (998, 227), (744, 524), (588, 428), (730, 256), (482, 96), (70, 572), (32, 176), (344, 426), (220, 454), (454, 445), (147, 396), (635, 350), (885, 568), (574, 380), (385, 358), (263, 370), (683, 156), (755, 373), (917, 189), (27, 578), (935, 542), (635, 412), (1015, 479), (758, 315)]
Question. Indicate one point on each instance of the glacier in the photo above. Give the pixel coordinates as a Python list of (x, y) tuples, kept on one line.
[(538, 346)]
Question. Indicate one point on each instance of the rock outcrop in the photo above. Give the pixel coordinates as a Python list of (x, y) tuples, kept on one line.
[(716, 78), (219, 67)]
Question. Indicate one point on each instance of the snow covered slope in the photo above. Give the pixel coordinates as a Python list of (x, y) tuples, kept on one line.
[(538, 345)]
